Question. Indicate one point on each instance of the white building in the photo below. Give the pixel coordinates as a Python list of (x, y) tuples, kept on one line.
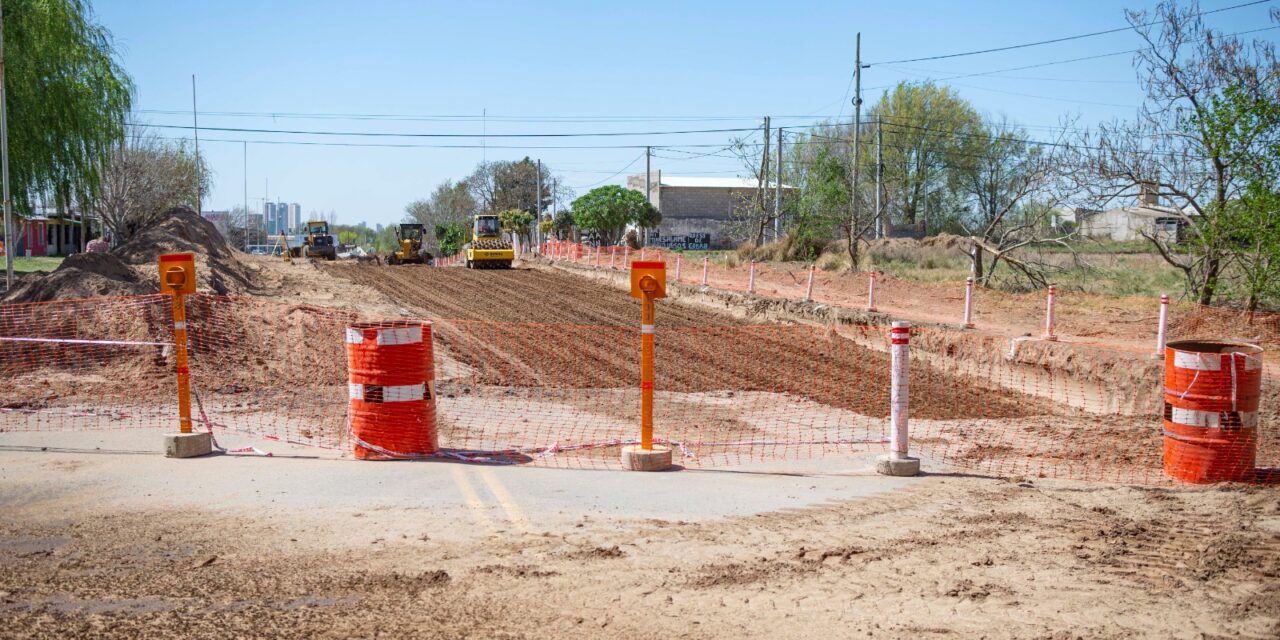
[(1124, 224)]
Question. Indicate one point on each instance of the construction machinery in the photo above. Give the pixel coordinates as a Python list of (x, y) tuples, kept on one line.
[(487, 249), (409, 246), (318, 243)]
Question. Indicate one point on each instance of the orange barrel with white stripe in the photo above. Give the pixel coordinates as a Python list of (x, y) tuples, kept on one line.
[(1211, 395), (393, 408)]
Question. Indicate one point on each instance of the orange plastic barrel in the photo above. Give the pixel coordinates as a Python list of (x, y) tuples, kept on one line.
[(393, 408), (1211, 395)]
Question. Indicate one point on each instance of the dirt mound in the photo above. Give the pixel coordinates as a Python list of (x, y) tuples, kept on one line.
[(131, 268), (83, 275), (946, 241), (218, 269)]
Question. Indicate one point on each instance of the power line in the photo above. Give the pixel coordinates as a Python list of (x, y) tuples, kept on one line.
[(381, 134), (619, 172), (1068, 61), (467, 118), (1056, 40)]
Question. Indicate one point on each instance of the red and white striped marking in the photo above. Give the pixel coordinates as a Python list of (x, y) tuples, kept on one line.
[(899, 387), (1048, 316), (1212, 419), (399, 393), (968, 303), (388, 336), (871, 293), (1163, 323)]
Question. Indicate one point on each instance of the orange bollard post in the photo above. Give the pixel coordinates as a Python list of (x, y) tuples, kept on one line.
[(648, 282), (178, 278)]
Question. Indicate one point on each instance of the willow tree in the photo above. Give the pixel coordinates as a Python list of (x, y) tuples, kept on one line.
[(67, 99)]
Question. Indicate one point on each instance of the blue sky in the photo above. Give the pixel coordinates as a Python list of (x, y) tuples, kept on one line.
[(534, 67)]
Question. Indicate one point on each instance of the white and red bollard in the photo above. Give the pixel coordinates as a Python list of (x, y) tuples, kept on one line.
[(968, 303), (642, 253), (597, 257), (706, 262), (808, 288), (1164, 323), (1048, 316), (871, 293), (613, 255), (751, 279), (678, 256), (897, 462)]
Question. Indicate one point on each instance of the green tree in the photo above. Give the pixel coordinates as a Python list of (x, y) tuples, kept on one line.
[(824, 202), (609, 209), (450, 237), (562, 224), (144, 178), (67, 100), (518, 223), (929, 133)]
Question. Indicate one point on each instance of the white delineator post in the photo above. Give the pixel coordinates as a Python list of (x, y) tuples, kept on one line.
[(678, 256), (871, 293), (597, 257), (613, 254), (897, 462), (968, 303), (1048, 316), (706, 262), (1164, 322), (751, 279), (808, 288), (626, 257)]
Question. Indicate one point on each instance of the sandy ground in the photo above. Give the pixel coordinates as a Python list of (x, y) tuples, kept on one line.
[(102, 537), (114, 542)]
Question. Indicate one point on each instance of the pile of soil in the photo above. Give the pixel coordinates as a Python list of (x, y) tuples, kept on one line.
[(83, 275), (130, 268)]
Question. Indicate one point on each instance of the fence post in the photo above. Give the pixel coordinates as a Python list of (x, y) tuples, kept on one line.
[(1048, 316), (968, 303), (626, 257), (706, 261), (1164, 321), (897, 462), (871, 293), (808, 289), (177, 273), (678, 261), (751, 279)]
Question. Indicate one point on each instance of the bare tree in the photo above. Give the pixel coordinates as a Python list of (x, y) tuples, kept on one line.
[(1173, 148), (144, 178), (1010, 184)]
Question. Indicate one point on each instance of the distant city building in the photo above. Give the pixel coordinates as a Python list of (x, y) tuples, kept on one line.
[(295, 216), (269, 214), (379, 227)]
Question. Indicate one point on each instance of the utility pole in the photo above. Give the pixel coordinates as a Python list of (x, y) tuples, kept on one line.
[(538, 206), (4, 160), (246, 195), (764, 175), (195, 128), (857, 115), (880, 230), (777, 192)]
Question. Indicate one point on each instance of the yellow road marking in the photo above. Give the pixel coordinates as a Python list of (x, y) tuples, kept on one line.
[(469, 494), (508, 504)]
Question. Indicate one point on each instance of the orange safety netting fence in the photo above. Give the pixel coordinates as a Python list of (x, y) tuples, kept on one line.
[(568, 395), (924, 301)]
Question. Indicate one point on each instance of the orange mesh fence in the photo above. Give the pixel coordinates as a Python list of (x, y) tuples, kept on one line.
[(87, 364), (568, 395)]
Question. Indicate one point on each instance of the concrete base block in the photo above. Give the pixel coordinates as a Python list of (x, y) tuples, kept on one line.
[(887, 465), (188, 445), (636, 459)]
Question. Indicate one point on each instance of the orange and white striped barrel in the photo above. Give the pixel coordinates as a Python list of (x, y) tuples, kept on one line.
[(393, 409), (1211, 394)]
